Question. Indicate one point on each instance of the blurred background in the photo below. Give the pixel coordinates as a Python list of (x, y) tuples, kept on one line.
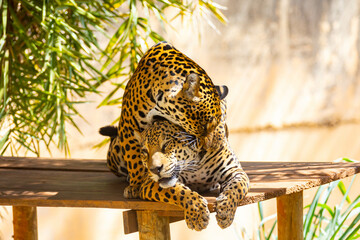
[(292, 67)]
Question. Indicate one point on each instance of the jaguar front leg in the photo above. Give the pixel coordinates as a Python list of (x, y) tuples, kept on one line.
[(129, 151), (136, 174), (196, 212), (233, 191)]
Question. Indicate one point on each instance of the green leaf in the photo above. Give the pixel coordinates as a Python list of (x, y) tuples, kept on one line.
[(107, 98), (327, 207), (271, 231), (4, 139), (214, 8), (311, 213), (115, 38), (350, 229), (102, 143), (342, 189), (4, 12), (345, 196)]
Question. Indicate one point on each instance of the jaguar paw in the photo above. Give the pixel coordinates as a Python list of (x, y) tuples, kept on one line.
[(131, 192), (225, 211), (197, 214)]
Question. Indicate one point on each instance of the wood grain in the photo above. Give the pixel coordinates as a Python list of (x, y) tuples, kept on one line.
[(86, 165), (131, 221), (152, 226), (290, 216), (88, 183), (25, 223)]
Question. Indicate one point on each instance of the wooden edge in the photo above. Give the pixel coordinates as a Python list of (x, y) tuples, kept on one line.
[(118, 204), (171, 213), (130, 219)]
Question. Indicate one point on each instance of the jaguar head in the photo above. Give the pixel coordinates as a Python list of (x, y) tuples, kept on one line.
[(164, 153)]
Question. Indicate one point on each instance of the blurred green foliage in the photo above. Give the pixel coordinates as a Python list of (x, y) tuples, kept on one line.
[(49, 53)]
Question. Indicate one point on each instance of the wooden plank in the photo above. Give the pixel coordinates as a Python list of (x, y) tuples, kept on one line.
[(253, 167), (25, 223), (86, 203), (89, 165), (290, 216), (68, 189), (87, 193), (93, 190), (60, 186), (152, 226), (295, 169), (88, 183), (273, 175)]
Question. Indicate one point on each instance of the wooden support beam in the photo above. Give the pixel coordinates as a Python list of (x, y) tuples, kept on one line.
[(25, 223), (290, 216), (152, 226), (131, 222)]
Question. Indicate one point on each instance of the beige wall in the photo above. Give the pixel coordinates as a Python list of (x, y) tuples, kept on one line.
[(293, 72)]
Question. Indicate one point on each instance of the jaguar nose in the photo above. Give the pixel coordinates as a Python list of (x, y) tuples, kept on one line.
[(156, 170)]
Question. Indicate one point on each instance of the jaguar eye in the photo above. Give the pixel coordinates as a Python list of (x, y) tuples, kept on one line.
[(164, 146)]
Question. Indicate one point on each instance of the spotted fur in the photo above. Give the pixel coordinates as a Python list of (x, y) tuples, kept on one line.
[(166, 85)]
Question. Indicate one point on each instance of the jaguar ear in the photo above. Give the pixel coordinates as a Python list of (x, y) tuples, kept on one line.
[(191, 87), (222, 91)]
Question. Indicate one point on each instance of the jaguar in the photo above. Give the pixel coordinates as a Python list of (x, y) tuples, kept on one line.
[(166, 84), (170, 92), (181, 168)]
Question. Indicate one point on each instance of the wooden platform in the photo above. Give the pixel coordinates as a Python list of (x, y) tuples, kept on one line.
[(33, 182)]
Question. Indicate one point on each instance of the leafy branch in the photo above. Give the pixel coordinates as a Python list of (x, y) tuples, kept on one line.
[(51, 59)]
